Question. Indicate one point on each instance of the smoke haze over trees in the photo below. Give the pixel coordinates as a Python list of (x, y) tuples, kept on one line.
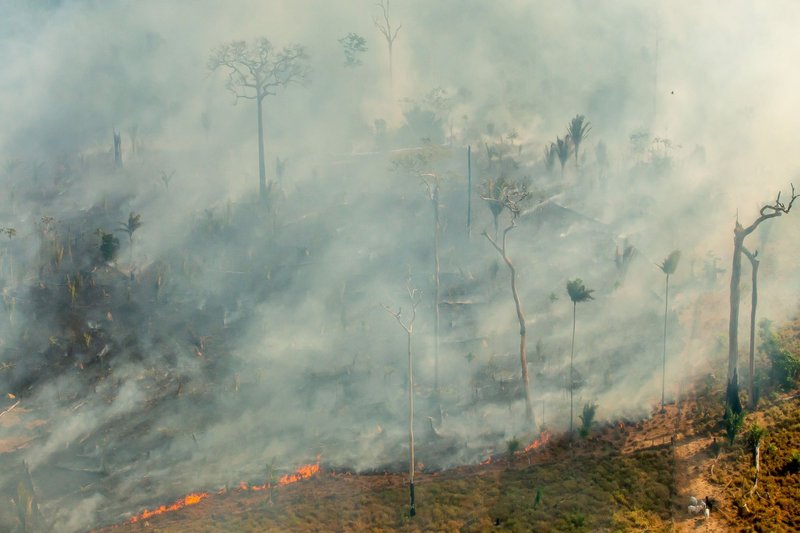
[(224, 334)]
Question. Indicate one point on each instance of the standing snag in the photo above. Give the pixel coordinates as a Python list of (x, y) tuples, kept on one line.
[(752, 397), (509, 197), (408, 327), (739, 234), (385, 27)]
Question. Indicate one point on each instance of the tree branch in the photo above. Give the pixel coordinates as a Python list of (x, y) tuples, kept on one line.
[(769, 211)]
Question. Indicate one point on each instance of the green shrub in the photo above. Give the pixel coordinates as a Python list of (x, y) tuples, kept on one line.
[(733, 424), (587, 418), (109, 246), (784, 366)]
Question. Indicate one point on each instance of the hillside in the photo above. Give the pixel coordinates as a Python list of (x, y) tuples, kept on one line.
[(623, 477)]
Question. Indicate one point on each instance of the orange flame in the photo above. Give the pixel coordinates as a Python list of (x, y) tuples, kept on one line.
[(538, 443), (189, 499), (304, 472)]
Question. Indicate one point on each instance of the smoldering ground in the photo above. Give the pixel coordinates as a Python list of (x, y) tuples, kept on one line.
[(228, 338)]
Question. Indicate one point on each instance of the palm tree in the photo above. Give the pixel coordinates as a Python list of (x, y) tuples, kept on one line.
[(667, 267), (134, 222), (578, 293), (563, 150), (550, 155), (495, 189), (578, 130)]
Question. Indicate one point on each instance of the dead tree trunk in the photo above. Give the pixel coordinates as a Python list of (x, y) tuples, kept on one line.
[(739, 234), (385, 27), (754, 263), (523, 359), (262, 169), (408, 327), (436, 268), (117, 149)]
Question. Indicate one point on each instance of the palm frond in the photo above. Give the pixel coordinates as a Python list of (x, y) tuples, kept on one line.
[(578, 292), (670, 264)]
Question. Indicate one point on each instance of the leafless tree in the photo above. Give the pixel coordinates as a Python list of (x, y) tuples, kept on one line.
[(257, 70), (754, 263), (408, 327), (510, 197), (423, 165), (739, 234), (385, 27)]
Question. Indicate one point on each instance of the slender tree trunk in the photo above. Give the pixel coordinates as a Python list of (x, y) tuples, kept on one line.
[(733, 325), (753, 307), (732, 394), (571, 359), (262, 169), (436, 231), (391, 76), (412, 510), (523, 335), (469, 191), (664, 358), (520, 317)]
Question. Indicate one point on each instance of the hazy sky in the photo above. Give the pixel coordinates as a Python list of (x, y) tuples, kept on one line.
[(316, 364)]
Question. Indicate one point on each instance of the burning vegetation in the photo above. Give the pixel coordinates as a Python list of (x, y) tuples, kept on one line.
[(193, 290)]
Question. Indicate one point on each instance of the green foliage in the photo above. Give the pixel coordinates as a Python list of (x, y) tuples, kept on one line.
[(587, 418), (793, 466), (733, 424), (513, 445), (575, 521), (754, 435), (784, 366), (134, 222), (577, 130), (550, 156), (578, 292), (670, 263), (353, 45), (109, 246), (563, 149), (495, 193), (732, 394)]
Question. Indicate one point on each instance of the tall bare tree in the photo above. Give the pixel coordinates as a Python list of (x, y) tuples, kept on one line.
[(739, 234), (751, 388), (385, 27), (256, 70), (408, 327), (423, 164), (668, 267), (509, 196)]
